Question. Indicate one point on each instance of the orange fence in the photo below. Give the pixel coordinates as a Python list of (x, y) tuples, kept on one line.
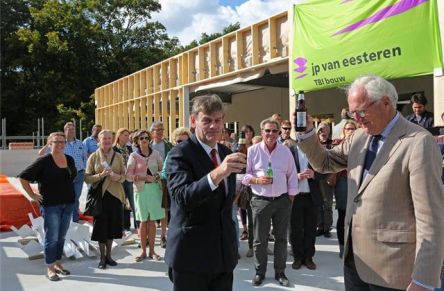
[(14, 206)]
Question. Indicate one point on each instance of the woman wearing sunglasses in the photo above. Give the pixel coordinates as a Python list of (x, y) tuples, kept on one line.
[(144, 166), (55, 173)]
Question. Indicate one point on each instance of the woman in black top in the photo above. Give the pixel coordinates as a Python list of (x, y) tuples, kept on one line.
[(55, 174)]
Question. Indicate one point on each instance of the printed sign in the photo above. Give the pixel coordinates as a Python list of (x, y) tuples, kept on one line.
[(336, 41)]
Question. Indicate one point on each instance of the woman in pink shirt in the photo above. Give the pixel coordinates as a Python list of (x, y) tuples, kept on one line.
[(144, 166)]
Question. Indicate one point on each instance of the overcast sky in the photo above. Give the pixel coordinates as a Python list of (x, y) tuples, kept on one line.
[(187, 19)]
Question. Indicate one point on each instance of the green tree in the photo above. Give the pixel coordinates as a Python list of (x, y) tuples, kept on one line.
[(205, 37), (54, 53)]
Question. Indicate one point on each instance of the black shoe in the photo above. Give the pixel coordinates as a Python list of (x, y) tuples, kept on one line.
[(102, 264), (282, 279), (163, 243), (327, 234), (258, 279), (319, 232), (110, 261)]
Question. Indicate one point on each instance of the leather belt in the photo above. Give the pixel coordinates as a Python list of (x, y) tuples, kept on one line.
[(269, 198)]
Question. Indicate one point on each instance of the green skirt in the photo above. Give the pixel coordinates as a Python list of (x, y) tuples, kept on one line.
[(149, 203)]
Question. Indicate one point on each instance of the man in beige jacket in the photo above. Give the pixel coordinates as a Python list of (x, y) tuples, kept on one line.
[(394, 222)]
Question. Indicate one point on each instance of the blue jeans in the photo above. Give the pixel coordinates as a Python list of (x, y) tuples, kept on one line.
[(56, 223), (236, 223), (78, 185)]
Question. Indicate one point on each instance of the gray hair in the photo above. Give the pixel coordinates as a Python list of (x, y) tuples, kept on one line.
[(156, 124), (375, 88), (207, 104), (272, 121)]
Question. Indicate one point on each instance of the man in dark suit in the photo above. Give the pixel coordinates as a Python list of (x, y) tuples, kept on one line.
[(201, 250), (420, 115), (304, 212)]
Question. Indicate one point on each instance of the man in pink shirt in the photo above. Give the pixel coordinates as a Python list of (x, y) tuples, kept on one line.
[(272, 198)]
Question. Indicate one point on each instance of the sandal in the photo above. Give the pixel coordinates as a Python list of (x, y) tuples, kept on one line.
[(155, 257), (244, 235), (140, 258), (63, 272), (53, 278)]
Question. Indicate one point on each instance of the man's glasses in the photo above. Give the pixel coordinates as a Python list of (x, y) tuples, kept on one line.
[(286, 128), (59, 142), (360, 113), (158, 129), (271, 130), (144, 138)]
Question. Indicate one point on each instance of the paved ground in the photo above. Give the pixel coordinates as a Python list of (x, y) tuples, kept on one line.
[(19, 273), (12, 162)]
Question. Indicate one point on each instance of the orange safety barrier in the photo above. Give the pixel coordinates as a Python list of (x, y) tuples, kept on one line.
[(14, 206), (21, 145)]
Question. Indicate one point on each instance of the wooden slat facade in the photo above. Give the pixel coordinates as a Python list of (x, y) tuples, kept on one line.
[(159, 92)]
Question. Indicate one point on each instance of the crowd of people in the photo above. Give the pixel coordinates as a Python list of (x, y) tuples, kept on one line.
[(372, 161)]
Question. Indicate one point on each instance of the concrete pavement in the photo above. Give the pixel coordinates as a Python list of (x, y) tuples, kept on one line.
[(19, 273)]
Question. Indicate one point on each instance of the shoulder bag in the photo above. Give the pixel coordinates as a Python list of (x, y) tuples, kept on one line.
[(94, 198)]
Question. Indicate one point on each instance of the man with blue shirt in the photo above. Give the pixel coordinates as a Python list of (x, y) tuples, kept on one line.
[(76, 149), (394, 227), (91, 142)]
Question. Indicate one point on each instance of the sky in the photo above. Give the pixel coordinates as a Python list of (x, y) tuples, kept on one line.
[(187, 19)]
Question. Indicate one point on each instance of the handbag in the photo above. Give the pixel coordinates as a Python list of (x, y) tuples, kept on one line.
[(94, 197), (245, 196)]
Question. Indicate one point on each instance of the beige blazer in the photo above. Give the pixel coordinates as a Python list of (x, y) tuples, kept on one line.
[(94, 167), (397, 211)]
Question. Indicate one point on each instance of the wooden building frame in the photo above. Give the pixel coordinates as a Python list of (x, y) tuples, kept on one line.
[(161, 92)]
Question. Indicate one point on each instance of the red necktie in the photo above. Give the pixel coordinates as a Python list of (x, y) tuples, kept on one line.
[(215, 164)]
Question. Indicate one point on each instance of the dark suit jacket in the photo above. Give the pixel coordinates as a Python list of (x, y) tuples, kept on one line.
[(426, 119), (315, 191), (201, 234)]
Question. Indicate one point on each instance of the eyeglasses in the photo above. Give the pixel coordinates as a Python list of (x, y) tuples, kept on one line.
[(144, 138), (267, 130), (158, 129), (349, 128), (286, 128), (59, 142), (360, 113)]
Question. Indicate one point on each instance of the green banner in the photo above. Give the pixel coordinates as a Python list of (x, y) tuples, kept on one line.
[(336, 41)]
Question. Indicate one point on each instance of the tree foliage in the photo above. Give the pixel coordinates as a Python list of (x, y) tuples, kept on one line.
[(55, 52), (205, 37)]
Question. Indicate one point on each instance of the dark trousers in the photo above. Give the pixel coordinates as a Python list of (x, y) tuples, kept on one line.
[(340, 226), (129, 194), (189, 281), (325, 216), (266, 212), (303, 226), (250, 226)]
